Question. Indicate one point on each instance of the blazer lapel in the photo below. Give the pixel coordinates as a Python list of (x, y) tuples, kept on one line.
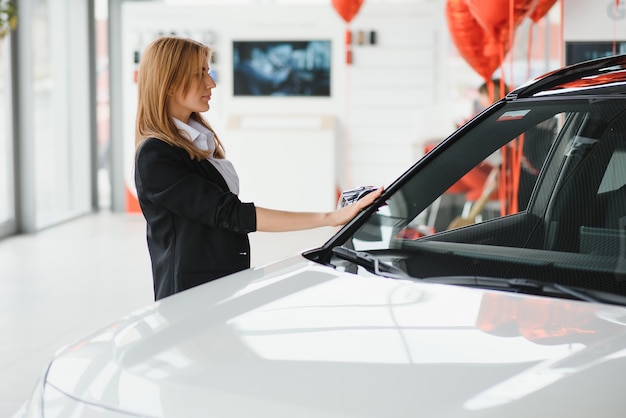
[(212, 172)]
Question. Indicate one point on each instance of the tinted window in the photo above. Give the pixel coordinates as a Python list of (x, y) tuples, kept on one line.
[(533, 189)]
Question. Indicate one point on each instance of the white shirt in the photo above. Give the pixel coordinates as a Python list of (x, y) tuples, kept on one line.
[(203, 139)]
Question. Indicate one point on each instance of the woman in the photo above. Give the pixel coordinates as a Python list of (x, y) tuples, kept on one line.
[(196, 225)]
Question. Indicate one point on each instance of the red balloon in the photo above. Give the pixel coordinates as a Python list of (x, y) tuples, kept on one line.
[(495, 15), (482, 51), (541, 9), (347, 9)]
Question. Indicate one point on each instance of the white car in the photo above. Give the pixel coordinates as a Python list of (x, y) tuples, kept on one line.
[(488, 281)]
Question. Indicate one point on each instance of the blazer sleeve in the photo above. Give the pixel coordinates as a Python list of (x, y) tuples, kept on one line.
[(166, 177)]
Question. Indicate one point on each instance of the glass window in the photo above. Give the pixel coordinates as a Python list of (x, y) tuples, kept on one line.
[(60, 111), (533, 190), (7, 199), (492, 173), (501, 184)]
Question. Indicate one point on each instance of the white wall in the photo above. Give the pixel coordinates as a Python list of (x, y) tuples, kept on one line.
[(599, 20), (396, 90)]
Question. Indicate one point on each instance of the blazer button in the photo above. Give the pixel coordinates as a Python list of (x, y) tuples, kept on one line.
[(225, 224)]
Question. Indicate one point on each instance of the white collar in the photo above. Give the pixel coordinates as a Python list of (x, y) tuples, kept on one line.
[(197, 133)]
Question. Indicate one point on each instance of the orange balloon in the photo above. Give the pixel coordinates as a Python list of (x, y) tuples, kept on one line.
[(495, 15), (482, 51), (347, 9), (541, 9)]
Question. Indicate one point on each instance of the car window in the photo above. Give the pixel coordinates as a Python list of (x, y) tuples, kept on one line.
[(493, 174), (615, 174), (527, 190), (499, 185)]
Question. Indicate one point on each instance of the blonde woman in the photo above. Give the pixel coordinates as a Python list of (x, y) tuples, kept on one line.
[(196, 225)]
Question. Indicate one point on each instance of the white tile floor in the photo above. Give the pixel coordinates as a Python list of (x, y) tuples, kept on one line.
[(65, 282)]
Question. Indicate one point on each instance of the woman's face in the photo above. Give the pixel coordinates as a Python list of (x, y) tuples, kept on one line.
[(181, 104)]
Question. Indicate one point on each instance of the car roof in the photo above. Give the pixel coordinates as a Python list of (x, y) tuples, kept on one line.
[(604, 76)]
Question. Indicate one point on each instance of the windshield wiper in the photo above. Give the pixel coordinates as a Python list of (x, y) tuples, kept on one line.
[(370, 263), (547, 288), (535, 287)]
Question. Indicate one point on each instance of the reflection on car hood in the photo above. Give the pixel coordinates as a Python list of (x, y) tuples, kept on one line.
[(297, 339)]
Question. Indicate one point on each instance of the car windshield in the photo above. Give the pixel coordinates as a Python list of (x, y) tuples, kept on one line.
[(531, 189)]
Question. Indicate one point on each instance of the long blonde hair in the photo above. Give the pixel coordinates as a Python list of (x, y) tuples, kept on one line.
[(167, 65)]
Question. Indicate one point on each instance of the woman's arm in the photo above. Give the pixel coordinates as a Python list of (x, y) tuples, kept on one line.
[(270, 220)]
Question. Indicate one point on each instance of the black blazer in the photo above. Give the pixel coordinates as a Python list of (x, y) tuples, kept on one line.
[(196, 228)]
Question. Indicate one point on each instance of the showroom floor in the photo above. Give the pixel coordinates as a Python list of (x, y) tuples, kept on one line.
[(67, 281)]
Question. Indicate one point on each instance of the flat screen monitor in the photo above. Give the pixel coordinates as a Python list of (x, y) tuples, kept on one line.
[(579, 51), (282, 68)]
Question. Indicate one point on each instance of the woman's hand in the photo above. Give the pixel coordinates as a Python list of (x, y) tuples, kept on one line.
[(345, 214)]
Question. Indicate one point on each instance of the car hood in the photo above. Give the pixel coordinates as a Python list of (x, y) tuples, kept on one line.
[(298, 339)]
